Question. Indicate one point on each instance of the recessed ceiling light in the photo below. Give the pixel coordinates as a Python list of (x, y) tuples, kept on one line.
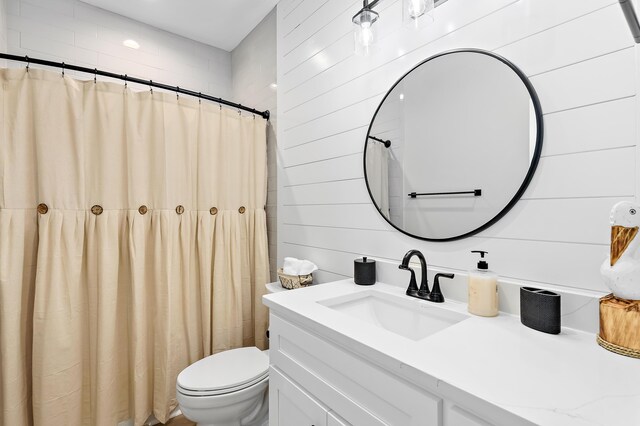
[(273, 85), (131, 43), (401, 96)]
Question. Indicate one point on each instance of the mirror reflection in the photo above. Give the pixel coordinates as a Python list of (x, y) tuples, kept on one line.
[(453, 145)]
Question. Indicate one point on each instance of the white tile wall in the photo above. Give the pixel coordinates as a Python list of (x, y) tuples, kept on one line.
[(581, 59), (75, 32), (253, 64)]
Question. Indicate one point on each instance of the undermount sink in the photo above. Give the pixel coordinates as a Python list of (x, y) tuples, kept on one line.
[(401, 315)]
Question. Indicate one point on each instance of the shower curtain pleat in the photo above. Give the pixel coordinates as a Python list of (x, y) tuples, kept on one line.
[(18, 245), (151, 252)]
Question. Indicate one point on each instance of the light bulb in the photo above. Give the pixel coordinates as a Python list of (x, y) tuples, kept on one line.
[(367, 34), (416, 13), (417, 8)]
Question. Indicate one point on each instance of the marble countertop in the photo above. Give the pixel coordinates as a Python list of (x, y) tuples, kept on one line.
[(562, 380)]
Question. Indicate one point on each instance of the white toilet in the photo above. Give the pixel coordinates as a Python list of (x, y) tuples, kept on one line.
[(229, 388)]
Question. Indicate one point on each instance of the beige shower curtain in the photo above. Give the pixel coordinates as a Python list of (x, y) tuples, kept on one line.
[(132, 243)]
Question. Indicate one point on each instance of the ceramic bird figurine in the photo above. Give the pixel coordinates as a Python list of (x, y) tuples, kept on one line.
[(621, 270)]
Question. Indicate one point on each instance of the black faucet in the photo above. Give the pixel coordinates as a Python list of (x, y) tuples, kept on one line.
[(422, 292), (413, 290)]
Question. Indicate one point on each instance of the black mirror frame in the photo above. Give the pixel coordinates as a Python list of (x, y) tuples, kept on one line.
[(532, 167)]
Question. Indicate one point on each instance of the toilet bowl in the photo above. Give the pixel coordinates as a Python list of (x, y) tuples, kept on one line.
[(229, 388)]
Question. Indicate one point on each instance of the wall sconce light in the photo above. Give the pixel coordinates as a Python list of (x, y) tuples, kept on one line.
[(363, 32), (414, 13)]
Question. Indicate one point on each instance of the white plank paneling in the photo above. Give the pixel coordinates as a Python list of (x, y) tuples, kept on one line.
[(580, 220), (571, 43), (300, 16), (326, 13), (585, 83), (584, 129), (581, 60), (338, 145), (576, 265), (485, 25), (337, 192), (608, 173), (341, 168)]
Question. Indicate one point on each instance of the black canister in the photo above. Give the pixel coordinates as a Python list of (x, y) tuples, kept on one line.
[(540, 309), (364, 271)]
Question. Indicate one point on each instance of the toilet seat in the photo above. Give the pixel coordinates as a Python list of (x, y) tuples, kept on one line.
[(225, 372)]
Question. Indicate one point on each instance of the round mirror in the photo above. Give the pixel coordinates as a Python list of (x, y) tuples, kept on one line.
[(453, 145)]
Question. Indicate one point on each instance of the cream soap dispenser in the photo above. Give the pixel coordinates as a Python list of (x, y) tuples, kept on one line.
[(483, 289)]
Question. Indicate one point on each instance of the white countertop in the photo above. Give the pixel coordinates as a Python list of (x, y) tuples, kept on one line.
[(562, 380)]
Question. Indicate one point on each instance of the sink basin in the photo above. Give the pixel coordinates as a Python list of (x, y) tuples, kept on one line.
[(402, 315)]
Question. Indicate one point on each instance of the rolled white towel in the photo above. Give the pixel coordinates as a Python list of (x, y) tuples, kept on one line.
[(293, 266), (306, 267)]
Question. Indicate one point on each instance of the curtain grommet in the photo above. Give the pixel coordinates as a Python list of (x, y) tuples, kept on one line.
[(97, 210), (143, 210), (213, 211), (242, 210), (43, 208), (180, 209)]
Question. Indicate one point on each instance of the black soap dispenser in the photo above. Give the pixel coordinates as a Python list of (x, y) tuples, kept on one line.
[(364, 271)]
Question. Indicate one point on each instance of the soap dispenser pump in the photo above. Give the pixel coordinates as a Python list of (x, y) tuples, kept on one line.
[(483, 289)]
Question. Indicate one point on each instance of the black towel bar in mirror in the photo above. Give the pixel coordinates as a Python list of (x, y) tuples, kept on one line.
[(475, 192)]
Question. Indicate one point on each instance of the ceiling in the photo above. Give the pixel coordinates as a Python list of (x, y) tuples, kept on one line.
[(219, 23)]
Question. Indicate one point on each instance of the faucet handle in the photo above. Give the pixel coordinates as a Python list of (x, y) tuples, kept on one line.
[(436, 294)]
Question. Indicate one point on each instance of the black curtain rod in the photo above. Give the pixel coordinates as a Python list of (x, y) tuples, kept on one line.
[(126, 78)]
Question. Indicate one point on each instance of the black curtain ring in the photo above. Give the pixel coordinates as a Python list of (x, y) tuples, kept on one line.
[(26, 58), (200, 97), (177, 92), (63, 69), (95, 75), (125, 81), (151, 86)]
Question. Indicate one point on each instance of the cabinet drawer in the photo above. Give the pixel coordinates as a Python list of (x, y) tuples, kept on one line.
[(291, 406), (358, 391)]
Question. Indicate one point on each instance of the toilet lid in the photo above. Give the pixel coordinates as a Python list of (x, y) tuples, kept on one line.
[(228, 370)]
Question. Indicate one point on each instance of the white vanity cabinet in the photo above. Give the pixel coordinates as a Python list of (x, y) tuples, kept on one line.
[(315, 382), (351, 391)]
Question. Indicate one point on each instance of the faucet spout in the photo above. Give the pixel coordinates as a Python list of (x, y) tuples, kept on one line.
[(423, 291)]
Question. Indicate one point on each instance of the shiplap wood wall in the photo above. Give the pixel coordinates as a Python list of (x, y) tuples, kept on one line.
[(581, 59)]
